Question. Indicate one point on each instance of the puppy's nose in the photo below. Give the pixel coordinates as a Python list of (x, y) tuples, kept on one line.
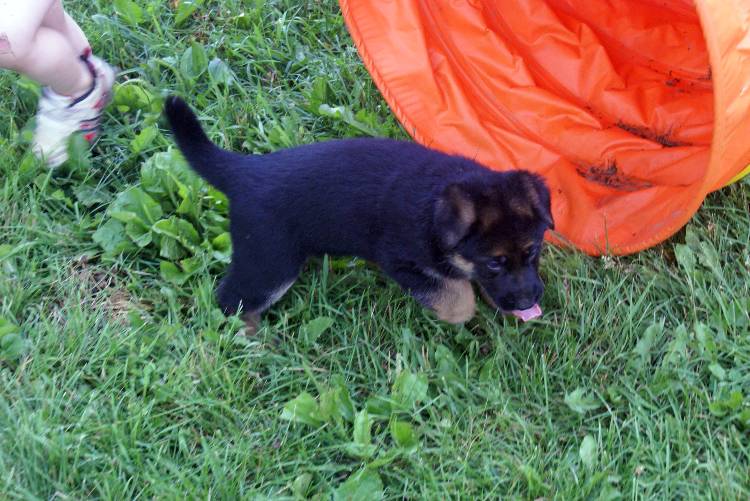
[(525, 303)]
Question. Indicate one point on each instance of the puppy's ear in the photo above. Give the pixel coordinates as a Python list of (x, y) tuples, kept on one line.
[(455, 212), (538, 194)]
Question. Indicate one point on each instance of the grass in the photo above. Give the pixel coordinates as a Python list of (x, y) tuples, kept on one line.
[(120, 379)]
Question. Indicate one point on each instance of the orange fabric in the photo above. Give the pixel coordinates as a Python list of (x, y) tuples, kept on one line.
[(633, 110)]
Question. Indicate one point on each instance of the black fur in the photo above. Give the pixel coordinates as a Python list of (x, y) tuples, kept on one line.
[(409, 209)]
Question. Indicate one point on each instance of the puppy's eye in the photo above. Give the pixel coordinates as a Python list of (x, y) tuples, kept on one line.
[(497, 263)]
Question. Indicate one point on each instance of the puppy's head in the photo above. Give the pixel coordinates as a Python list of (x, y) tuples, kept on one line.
[(492, 229)]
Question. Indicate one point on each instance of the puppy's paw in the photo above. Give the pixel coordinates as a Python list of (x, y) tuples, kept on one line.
[(252, 323), (453, 302)]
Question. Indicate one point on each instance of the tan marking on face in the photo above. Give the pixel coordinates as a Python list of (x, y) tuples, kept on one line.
[(488, 216), (499, 250), (535, 203), (454, 301), (462, 264), (521, 207), (462, 204), (531, 193)]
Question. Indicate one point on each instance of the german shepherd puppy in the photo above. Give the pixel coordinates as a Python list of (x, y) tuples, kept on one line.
[(433, 222)]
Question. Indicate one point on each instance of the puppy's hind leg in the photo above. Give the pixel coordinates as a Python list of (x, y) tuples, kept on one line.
[(257, 278), (252, 292)]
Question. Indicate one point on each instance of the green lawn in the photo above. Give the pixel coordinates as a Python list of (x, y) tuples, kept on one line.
[(120, 378)]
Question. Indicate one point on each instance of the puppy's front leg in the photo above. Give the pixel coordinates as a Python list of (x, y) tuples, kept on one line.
[(452, 300)]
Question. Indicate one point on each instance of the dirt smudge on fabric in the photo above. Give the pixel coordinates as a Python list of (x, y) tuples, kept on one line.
[(609, 175), (665, 139)]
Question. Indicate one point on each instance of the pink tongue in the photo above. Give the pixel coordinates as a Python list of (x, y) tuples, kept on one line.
[(529, 314)]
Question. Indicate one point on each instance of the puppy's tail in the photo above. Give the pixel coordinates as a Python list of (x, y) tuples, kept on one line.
[(215, 165)]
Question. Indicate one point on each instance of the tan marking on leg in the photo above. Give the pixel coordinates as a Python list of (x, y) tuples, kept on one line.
[(276, 295), (488, 216), (454, 302), (462, 264), (522, 208), (252, 322), (252, 318)]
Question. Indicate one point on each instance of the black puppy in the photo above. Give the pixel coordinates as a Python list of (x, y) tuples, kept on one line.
[(433, 222)]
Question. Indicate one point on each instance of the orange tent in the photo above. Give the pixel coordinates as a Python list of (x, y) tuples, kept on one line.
[(633, 110)]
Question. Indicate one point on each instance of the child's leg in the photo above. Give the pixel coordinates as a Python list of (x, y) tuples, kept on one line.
[(59, 20), (29, 45), (38, 39)]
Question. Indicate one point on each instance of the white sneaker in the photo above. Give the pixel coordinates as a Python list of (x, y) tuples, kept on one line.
[(58, 117)]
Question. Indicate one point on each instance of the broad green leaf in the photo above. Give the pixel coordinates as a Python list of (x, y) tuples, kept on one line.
[(447, 366), (223, 242), (220, 72), (7, 327), (171, 273), (345, 114), (403, 434), (112, 238), (192, 264), (312, 330), (588, 452), (194, 61), (709, 258), (318, 93), (609, 493), (677, 349), (645, 344), (79, 152), (11, 347), (179, 230), (726, 405), (361, 451), (144, 139), (170, 249), (344, 401), (90, 196), (132, 96), (685, 257), (130, 11), (706, 341), (7, 250), (744, 418), (734, 402), (185, 9), (135, 204), (303, 409), (379, 406), (365, 485), (336, 404), (581, 403), (362, 428), (386, 457), (409, 389), (534, 482), (328, 407), (12, 343), (718, 371), (301, 485)]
